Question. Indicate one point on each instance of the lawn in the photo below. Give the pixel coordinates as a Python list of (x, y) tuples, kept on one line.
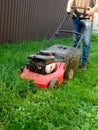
[(23, 106)]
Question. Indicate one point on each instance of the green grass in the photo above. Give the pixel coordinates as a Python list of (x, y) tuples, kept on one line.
[(23, 106)]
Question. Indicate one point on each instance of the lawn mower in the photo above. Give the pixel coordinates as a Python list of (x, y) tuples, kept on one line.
[(49, 67)]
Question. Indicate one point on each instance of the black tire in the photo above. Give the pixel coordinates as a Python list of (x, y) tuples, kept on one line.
[(69, 74), (54, 83)]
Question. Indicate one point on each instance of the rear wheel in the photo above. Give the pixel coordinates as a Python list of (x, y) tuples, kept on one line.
[(69, 74), (54, 83)]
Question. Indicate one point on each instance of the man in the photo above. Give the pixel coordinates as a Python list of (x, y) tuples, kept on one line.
[(82, 23), (93, 10)]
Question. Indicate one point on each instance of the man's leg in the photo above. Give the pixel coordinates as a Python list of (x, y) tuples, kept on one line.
[(87, 27), (76, 25)]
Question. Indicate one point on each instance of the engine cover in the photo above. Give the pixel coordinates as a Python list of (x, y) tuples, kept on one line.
[(38, 63)]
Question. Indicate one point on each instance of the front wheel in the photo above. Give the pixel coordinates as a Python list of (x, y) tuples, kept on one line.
[(54, 83)]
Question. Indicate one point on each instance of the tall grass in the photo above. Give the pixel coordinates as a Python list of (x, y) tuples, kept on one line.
[(23, 106)]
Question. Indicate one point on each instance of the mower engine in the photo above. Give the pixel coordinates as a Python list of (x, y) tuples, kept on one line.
[(42, 62)]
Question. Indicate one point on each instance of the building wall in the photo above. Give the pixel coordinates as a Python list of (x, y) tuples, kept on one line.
[(31, 19)]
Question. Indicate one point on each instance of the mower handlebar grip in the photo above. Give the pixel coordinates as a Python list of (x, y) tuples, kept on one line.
[(78, 7)]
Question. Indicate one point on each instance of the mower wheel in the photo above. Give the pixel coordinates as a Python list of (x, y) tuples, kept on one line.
[(54, 83), (69, 74)]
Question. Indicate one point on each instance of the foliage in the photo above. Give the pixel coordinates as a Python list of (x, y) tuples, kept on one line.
[(94, 37), (23, 106)]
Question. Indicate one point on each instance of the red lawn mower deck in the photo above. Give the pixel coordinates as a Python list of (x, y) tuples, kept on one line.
[(65, 58)]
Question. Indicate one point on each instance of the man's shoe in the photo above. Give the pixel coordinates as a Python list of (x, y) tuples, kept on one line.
[(84, 66)]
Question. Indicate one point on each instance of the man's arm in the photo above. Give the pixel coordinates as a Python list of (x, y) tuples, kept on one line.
[(69, 5), (93, 10)]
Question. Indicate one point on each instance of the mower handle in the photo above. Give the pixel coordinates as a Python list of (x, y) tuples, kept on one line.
[(56, 31), (78, 7)]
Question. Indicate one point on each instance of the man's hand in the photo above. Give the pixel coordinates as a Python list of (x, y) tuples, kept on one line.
[(69, 4), (68, 10), (91, 12)]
